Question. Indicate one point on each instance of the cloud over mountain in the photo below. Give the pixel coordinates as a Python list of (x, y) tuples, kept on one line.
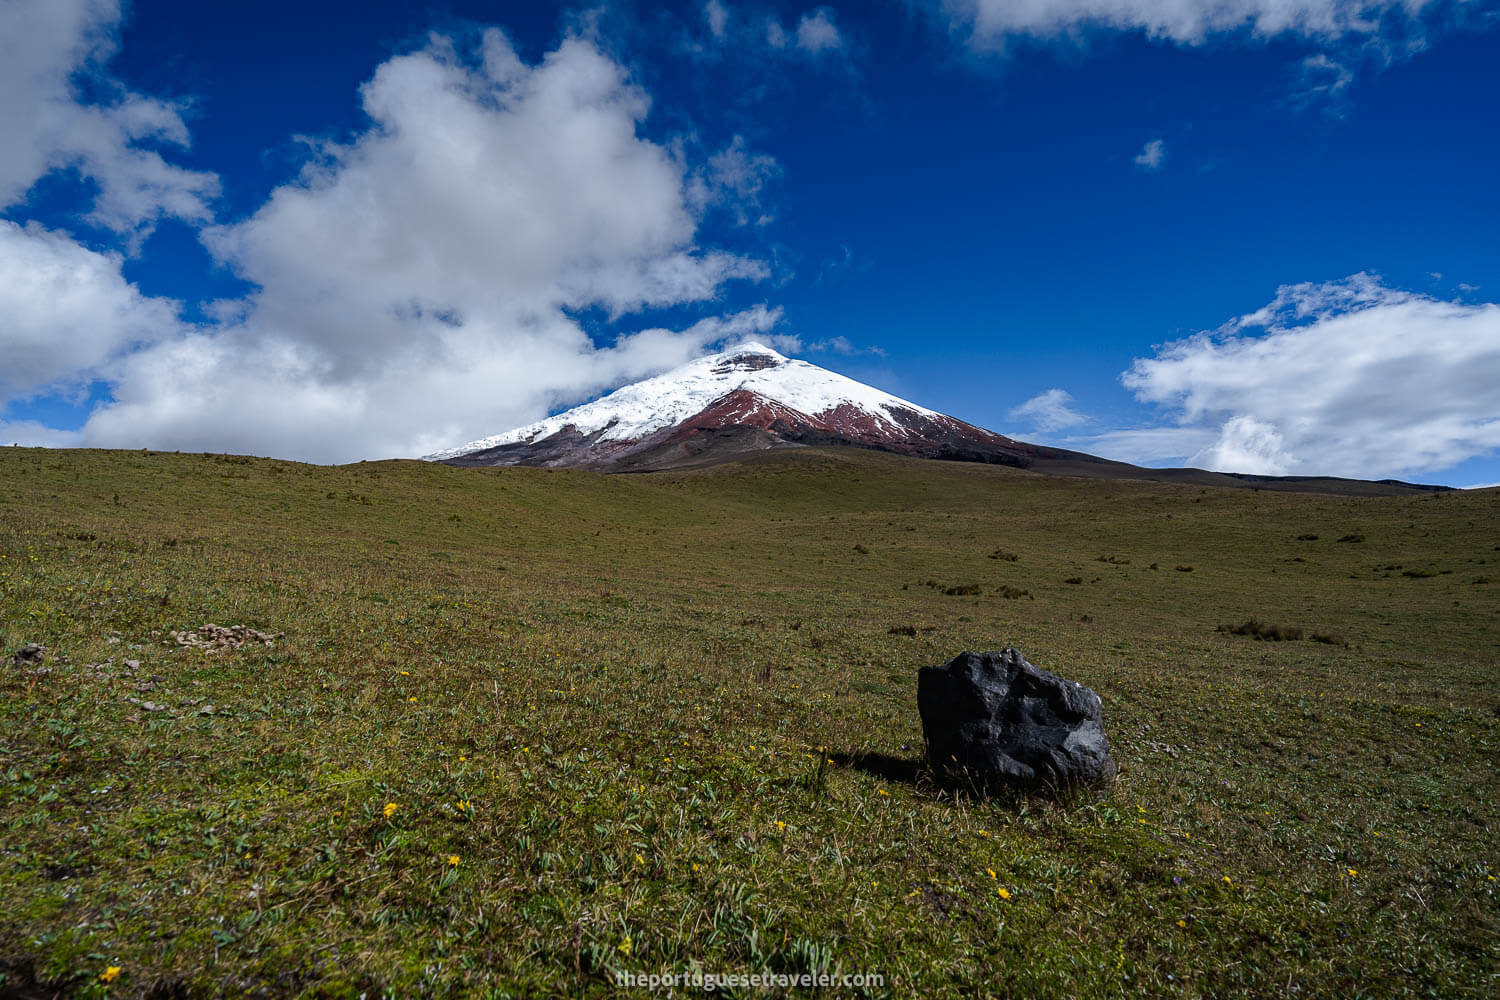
[(418, 283), (1348, 377)]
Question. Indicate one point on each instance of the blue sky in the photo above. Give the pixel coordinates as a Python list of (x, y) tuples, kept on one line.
[(1256, 236)]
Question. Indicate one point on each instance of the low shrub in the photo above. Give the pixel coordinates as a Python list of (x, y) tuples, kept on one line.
[(1264, 631)]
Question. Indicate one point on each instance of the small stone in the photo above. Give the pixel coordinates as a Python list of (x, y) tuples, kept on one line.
[(206, 710), (30, 655)]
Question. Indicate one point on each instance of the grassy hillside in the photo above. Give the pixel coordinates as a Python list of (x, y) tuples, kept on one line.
[(528, 727)]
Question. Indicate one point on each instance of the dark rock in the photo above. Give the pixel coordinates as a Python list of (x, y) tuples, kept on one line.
[(992, 721), (30, 655)]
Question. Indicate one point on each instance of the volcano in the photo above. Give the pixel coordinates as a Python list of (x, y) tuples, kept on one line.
[(747, 399), (751, 399)]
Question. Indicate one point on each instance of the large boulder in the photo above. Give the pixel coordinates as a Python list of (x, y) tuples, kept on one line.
[(993, 721)]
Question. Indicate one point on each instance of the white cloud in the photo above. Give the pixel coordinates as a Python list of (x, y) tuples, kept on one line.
[(30, 434), (1323, 80), (1152, 156), (1245, 444), (1345, 378), (416, 286), (753, 30), (1480, 486), (991, 23), (1146, 445), (716, 16), (734, 178), (44, 46), (1049, 411), (844, 346), (816, 33), (66, 310)]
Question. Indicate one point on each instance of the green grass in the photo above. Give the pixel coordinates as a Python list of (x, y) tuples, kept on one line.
[(668, 722)]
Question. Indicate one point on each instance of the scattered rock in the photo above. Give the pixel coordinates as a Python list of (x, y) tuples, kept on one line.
[(30, 655), (993, 720), (217, 638)]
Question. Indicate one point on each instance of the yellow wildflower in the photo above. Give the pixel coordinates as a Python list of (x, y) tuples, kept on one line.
[(453, 859), (1182, 923), (1228, 880), (110, 974), (992, 873), (1002, 892), (625, 945), (780, 825), (390, 809), (882, 791), (1353, 873), (640, 860), (412, 698)]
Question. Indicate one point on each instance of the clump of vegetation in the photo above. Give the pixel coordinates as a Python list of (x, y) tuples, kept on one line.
[(861, 548), (1183, 569), (1307, 538), (1014, 593), (1265, 631), (901, 630), (964, 590), (1114, 560), (1004, 555), (1419, 574), (1075, 580), (1330, 638), (1353, 537)]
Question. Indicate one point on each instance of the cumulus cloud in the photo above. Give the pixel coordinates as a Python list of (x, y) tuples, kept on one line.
[(991, 23), (67, 310), (1049, 411), (46, 46), (417, 287), (1152, 156), (1349, 378)]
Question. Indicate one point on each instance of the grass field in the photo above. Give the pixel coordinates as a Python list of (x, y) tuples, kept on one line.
[(528, 728)]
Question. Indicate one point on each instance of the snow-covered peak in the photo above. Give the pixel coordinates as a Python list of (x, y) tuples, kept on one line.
[(644, 407)]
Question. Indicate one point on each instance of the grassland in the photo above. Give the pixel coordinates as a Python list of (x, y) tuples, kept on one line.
[(529, 727)]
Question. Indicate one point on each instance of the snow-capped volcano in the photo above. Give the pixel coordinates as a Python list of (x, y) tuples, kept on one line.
[(744, 399)]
